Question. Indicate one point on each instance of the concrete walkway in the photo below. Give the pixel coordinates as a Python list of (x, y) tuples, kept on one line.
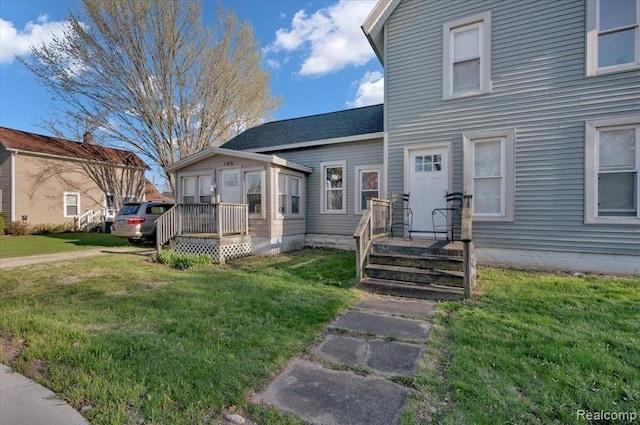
[(384, 337), (11, 263), (25, 402)]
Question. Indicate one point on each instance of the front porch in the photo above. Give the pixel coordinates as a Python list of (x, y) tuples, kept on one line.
[(220, 230)]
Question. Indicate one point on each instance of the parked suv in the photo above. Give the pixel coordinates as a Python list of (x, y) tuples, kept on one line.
[(136, 221)]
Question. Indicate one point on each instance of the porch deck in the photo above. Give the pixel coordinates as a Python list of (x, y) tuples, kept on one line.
[(436, 246)]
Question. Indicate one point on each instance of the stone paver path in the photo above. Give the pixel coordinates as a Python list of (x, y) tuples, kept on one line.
[(380, 336)]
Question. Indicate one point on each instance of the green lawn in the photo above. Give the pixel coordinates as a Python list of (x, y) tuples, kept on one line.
[(20, 246), (533, 348), (137, 342)]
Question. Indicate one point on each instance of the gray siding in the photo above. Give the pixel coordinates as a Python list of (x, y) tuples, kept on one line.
[(5, 183), (356, 154), (538, 87)]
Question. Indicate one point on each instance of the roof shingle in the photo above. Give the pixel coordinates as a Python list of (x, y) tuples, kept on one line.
[(350, 122), (37, 143)]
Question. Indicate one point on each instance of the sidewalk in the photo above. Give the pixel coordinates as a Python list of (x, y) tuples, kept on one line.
[(25, 402), (375, 336), (10, 263)]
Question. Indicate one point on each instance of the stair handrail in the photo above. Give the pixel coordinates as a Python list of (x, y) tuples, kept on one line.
[(167, 226), (374, 223)]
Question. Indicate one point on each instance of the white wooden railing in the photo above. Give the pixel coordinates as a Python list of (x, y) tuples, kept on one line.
[(214, 219), (375, 223)]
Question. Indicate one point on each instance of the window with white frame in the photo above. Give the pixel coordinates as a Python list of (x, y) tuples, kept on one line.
[(612, 160), (334, 187), (71, 201), (253, 181), (368, 185), (489, 173), (613, 37), (467, 56), (289, 194), (196, 189)]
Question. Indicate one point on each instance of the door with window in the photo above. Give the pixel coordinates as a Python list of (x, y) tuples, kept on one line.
[(428, 183), (230, 186)]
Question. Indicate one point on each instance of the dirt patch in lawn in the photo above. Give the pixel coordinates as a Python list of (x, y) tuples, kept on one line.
[(10, 348)]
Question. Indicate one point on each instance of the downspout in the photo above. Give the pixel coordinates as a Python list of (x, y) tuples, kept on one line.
[(13, 186)]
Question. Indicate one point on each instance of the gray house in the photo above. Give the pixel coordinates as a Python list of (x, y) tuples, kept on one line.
[(531, 107)]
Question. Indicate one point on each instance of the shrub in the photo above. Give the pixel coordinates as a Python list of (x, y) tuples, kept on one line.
[(3, 222), (19, 228), (181, 261)]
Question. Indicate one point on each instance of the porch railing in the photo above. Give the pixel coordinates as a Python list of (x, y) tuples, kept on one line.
[(220, 219), (375, 222)]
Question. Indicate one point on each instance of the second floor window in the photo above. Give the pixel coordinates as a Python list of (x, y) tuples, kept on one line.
[(467, 56)]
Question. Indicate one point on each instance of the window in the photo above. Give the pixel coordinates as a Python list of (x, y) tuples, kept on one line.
[(71, 201), (289, 195), (467, 56), (489, 173), (368, 181), (612, 160), (196, 189), (613, 39), (333, 190), (204, 189), (253, 181)]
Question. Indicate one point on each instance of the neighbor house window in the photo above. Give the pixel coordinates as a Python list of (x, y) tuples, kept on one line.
[(612, 160), (368, 185), (467, 56), (71, 201), (489, 173), (612, 36), (289, 195), (253, 181), (333, 190)]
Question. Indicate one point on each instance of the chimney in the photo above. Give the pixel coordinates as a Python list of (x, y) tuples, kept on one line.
[(87, 138)]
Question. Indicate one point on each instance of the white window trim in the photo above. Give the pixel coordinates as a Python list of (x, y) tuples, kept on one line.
[(323, 197), (64, 204), (358, 170), (180, 178), (287, 192), (507, 194), (262, 191), (483, 20), (591, 41), (591, 170)]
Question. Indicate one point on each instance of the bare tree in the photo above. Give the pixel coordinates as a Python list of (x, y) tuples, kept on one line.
[(147, 76)]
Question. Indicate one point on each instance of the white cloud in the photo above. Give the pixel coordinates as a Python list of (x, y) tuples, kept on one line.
[(370, 90), (273, 64), (330, 38), (14, 42)]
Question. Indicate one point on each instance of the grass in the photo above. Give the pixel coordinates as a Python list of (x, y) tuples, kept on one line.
[(130, 341), (533, 348), (20, 246)]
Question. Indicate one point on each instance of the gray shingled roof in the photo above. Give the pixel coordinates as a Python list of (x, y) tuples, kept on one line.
[(350, 122)]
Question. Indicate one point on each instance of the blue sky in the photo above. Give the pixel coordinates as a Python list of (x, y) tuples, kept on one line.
[(318, 56)]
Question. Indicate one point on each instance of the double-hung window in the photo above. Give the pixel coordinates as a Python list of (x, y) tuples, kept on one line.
[(368, 185), (71, 201), (467, 56), (489, 173), (612, 162), (613, 37), (253, 181), (196, 189), (289, 195), (334, 187)]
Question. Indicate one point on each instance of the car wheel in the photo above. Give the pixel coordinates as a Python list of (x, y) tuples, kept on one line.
[(135, 241)]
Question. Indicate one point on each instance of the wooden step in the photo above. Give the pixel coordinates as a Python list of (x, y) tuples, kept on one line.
[(415, 275), (417, 247), (404, 289), (437, 262)]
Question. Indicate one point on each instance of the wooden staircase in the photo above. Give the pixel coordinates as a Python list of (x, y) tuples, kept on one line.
[(417, 269)]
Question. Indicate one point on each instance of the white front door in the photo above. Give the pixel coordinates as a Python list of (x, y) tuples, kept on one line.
[(230, 186), (428, 184)]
